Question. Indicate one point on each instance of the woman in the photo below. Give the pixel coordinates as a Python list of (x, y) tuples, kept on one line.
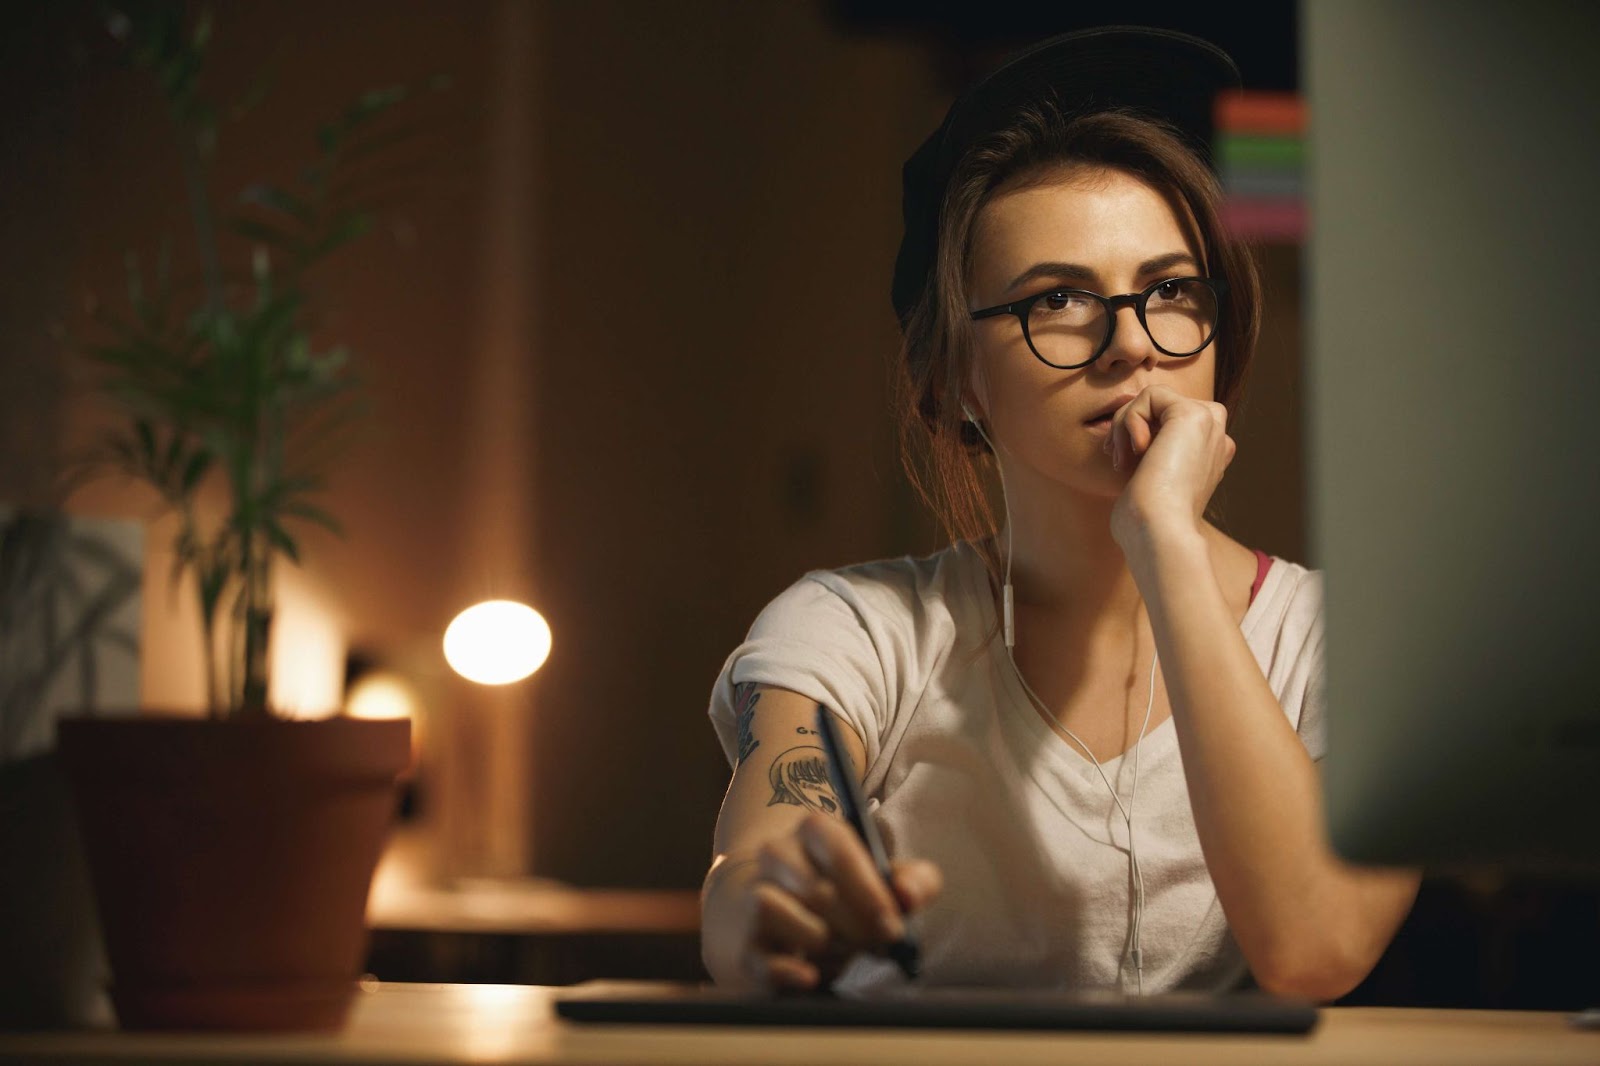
[(1089, 735)]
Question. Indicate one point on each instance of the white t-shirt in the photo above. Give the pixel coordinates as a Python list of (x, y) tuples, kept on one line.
[(962, 770)]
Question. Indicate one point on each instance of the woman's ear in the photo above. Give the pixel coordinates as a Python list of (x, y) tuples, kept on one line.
[(972, 432), (974, 398)]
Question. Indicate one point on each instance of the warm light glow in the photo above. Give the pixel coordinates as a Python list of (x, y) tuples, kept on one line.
[(307, 650), (495, 1020), (381, 695), (497, 642)]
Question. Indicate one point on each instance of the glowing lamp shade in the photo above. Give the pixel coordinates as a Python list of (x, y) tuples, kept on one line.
[(381, 695), (497, 642)]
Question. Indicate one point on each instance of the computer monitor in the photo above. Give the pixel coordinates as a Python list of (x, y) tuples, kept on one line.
[(1453, 401)]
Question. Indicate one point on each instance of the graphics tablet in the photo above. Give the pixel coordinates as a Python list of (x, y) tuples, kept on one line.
[(656, 1003)]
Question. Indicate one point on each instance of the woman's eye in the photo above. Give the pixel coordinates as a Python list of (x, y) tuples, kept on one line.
[(1170, 290), (1062, 301)]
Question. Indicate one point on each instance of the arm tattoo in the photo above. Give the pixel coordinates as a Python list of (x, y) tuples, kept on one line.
[(800, 777), (745, 698)]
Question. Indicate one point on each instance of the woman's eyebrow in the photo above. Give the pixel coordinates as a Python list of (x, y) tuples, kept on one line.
[(1075, 272)]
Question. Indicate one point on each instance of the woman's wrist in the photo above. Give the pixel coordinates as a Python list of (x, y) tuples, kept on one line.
[(726, 868), (1155, 541), (720, 932)]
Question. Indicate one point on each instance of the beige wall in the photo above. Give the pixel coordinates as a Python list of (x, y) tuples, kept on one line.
[(721, 212), (91, 170), (645, 392)]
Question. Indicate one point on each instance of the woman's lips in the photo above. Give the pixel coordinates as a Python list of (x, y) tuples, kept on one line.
[(1110, 409), (1099, 425)]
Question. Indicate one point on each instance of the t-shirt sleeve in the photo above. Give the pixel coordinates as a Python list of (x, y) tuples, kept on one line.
[(1309, 676), (1313, 728), (809, 640)]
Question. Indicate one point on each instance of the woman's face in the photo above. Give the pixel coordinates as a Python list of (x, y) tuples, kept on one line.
[(1084, 228)]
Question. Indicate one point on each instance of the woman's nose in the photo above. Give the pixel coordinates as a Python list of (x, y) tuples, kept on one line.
[(1129, 342)]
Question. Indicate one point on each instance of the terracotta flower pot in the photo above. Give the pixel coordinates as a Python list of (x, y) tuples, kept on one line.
[(231, 862)]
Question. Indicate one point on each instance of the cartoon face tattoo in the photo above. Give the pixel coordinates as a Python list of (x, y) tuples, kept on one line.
[(800, 777)]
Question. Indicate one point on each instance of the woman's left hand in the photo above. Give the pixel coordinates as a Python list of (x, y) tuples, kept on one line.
[(1174, 449)]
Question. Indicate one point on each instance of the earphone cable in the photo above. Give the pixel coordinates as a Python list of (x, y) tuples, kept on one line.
[(1136, 923)]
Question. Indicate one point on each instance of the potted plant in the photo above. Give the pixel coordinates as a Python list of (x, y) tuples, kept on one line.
[(231, 855)]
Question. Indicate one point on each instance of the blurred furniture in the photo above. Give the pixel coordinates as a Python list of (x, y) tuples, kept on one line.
[(525, 930), (1492, 941), (498, 1024), (70, 591)]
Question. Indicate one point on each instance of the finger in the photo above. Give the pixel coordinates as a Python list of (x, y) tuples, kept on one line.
[(784, 862), (867, 912), (783, 923), (1133, 439), (1229, 450), (777, 970), (1141, 409), (917, 882), (1114, 439), (1152, 403), (1140, 433), (788, 863), (1140, 417)]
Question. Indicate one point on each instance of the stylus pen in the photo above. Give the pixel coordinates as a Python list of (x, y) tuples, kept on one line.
[(854, 808)]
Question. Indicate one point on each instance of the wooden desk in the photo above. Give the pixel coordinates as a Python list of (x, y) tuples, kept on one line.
[(409, 1024)]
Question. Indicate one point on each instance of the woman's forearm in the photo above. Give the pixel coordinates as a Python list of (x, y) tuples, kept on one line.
[(1307, 923)]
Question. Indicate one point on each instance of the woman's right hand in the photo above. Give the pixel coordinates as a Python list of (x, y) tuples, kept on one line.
[(790, 914)]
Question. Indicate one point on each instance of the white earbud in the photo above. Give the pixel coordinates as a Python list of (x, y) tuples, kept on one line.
[(1007, 608)]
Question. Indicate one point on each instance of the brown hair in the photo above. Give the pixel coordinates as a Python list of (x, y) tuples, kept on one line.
[(940, 452)]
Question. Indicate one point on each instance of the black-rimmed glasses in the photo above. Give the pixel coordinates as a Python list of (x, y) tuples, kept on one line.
[(1071, 328)]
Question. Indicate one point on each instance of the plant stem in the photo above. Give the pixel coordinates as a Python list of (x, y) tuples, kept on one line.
[(195, 179), (257, 620), (201, 567)]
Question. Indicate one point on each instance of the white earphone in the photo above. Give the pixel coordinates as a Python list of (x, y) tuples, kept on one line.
[(1137, 921)]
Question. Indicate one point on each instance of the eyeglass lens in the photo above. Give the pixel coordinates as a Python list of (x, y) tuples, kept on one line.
[(1068, 328)]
